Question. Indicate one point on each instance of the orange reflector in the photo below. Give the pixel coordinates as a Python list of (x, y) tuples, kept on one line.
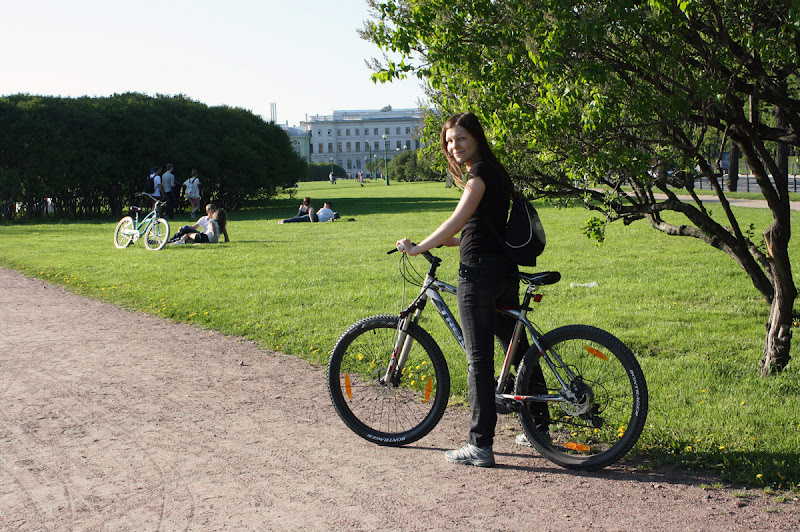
[(595, 352), (428, 388), (347, 387), (577, 446)]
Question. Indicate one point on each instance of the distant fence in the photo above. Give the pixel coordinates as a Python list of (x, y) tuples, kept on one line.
[(746, 183)]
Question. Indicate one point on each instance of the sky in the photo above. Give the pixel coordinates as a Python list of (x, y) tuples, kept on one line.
[(303, 55)]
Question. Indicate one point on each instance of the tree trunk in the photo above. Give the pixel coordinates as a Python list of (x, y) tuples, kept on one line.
[(779, 331), (733, 167), (779, 327)]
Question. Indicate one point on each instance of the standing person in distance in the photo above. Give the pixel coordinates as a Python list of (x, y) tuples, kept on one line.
[(192, 186), (168, 181), (158, 191), (486, 277)]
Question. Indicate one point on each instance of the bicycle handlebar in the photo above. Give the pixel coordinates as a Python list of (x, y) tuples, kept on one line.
[(427, 254), (159, 200)]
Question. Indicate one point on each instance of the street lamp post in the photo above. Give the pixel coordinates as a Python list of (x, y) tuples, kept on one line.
[(385, 160), (368, 157)]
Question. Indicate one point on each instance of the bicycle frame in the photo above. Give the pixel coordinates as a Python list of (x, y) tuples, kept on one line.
[(139, 228), (431, 291)]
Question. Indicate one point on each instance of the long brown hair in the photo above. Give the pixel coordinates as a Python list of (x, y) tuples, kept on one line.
[(472, 124), (222, 219)]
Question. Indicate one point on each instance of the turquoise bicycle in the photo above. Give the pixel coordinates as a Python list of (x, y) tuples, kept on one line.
[(154, 228)]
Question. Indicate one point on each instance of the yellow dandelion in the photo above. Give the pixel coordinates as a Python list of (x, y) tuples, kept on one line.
[(688, 448), (759, 476)]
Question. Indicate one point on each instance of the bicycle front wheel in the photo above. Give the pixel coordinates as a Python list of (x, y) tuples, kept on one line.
[(156, 235), (387, 414), (605, 412), (123, 234)]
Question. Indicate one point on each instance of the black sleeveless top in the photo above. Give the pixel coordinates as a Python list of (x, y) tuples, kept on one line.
[(480, 235)]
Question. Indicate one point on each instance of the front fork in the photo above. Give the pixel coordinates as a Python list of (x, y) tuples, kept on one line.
[(402, 346)]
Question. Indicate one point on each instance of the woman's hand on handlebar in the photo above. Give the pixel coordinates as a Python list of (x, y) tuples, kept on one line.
[(406, 246)]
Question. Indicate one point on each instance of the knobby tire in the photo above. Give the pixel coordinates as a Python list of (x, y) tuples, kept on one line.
[(387, 414)]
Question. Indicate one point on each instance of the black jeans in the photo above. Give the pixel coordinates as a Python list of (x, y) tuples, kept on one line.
[(481, 288)]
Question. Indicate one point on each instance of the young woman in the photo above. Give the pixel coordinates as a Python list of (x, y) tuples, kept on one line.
[(200, 226), (192, 186), (217, 224), (486, 278), (304, 214)]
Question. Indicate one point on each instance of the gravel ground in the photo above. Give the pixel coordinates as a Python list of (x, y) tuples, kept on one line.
[(116, 420)]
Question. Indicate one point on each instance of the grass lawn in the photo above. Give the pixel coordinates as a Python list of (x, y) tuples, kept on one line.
[(688, 312)]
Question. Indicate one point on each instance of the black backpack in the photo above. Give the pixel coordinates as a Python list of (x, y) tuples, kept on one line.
[(524, 239), (150, 184)]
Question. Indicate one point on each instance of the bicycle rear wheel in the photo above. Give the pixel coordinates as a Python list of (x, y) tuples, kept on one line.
[(123, 234), (394, 414), (157, 234), (604, 420)]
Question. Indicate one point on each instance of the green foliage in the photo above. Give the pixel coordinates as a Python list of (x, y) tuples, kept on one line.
[(411, 166), (321, 171), (689, 314), (91, 154), (618, 104)]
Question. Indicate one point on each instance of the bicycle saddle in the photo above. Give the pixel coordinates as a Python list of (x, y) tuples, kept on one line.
[(540, 278), (136, 209)]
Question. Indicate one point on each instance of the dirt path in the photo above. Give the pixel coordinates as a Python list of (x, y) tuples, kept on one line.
[(116, 420)]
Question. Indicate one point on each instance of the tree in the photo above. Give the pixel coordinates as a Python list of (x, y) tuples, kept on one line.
[(90, 155), (412, 166), (597, 100), (321, 171)]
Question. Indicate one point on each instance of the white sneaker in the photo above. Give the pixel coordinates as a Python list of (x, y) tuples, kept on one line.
[(471, 455)]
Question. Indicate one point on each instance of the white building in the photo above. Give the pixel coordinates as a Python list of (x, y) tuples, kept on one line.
[(352, 138), (299, 139)]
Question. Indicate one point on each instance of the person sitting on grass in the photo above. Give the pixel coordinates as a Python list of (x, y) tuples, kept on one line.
[(217, 223), (200, 226), (304, 214), (326, 214)]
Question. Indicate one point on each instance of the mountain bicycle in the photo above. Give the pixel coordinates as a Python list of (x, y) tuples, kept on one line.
[(154, 228), (390, 384)]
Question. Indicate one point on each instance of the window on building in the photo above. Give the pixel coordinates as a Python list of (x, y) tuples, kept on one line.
[(417, 144), (320, 148), (408, 130), (330, 147), (377, 146), (358, 164), (387, 130), (338, 132), (329, 132), (399, 144), (397, 131), (357, 130), (375, 131), (319, 132), (339, 147), (347, 147), (366, 132), (358, 147), (349, 164), (346, 132)]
